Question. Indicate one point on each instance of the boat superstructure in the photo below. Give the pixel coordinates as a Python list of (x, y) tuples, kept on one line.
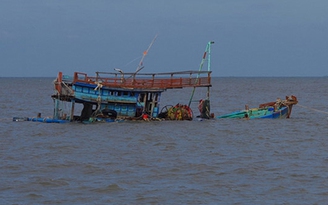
[(108, 95), (125, 95)]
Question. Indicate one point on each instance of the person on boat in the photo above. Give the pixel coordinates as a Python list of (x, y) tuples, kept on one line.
[(200, 105)]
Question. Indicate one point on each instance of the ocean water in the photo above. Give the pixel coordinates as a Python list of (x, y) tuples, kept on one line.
[(219, 161)]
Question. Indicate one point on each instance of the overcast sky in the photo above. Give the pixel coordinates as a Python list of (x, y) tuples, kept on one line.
[(39, 38)]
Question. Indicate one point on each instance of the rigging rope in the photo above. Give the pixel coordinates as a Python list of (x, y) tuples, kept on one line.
[(99, 86), (312, 109), (132, 61)]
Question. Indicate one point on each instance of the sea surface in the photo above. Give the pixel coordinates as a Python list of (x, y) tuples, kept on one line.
[(218, 161)]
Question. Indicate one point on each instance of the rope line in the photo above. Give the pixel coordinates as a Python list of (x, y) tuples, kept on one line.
[(6, 119), (312, 109)]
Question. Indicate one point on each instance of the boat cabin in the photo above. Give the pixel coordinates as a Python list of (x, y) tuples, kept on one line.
[(111, 95)]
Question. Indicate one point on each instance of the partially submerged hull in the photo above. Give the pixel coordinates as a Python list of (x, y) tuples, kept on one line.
[(107, 96), (110, 95), (273, 110), (256, 113), (118, 96)]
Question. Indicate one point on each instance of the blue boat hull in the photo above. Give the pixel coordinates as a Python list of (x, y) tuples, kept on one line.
[(258, 113), (39, 119)]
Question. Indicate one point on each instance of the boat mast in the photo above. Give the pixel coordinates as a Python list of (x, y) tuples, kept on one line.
[(140, 65), (207, 51)]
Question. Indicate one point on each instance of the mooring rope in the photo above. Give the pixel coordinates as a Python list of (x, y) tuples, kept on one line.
[(6, 119), (312, 109), (70, 90), (99, 86)]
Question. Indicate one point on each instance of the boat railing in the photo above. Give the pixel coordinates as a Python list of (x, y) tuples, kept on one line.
[(148, 80)]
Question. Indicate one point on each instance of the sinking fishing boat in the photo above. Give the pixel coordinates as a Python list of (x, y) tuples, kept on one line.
[(277, 109), (117, 96)]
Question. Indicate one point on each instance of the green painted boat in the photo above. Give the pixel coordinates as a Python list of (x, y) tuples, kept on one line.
[(273, 110)]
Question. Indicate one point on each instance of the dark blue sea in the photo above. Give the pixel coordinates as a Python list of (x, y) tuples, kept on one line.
[(219, 161)]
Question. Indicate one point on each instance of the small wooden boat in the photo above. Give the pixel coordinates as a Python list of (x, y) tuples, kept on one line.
[(278, 109)]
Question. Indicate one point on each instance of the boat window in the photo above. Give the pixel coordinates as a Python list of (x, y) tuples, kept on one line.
[(141, 97), (85, 90)]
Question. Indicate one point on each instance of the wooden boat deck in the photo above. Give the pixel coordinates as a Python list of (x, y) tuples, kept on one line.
[(147, 81)]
